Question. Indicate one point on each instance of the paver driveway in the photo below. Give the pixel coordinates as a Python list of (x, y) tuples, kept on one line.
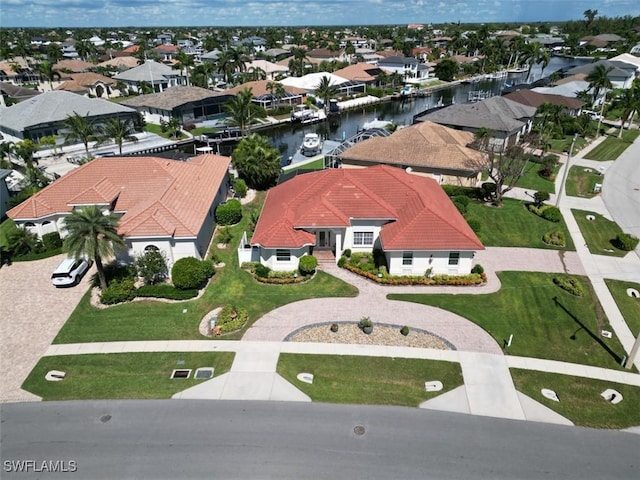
[(32, 311)]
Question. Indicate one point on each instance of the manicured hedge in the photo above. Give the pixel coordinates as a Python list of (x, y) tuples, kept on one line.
[(307, 265), (165, 291), (118, 291), (229, 213), (569, 284), (189, 273), (51, 241), (454, 280), (626, 242)]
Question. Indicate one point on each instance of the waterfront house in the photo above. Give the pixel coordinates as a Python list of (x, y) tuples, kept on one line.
[(408, 217), (505, 119), (44, 114), (187, 104), (157, 75), (426, 149), (165, 205)]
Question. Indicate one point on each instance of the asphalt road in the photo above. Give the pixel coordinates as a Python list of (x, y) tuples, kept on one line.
[(621, 190), (246, 440)]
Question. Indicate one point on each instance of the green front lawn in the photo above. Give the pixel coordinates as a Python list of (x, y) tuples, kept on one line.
[(156, 320), (598, 233), (580, 399), (612, 146), (121, 375), (563, 145), (157, 129), (369, 380), (532, 180), (581, 181), (545, 320), (512, 225), (628, 306)]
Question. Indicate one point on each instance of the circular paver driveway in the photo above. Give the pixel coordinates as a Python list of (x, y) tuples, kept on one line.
[(32, 311), (463, 334)]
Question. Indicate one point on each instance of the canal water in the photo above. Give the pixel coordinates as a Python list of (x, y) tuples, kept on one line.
[(288, 138)]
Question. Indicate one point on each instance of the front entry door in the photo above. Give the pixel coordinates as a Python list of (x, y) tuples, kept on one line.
[(324, 239)]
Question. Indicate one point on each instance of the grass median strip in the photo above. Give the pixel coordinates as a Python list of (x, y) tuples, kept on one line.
[(599, 233), (369, 380), (121, 375), (629, 306), (580, 399), (545, 320)]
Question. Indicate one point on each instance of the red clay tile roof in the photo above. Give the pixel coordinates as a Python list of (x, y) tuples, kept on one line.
[(157, 197), (421, 216)]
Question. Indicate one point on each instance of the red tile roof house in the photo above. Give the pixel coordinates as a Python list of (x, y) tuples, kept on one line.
[(407, 216), (164, 204)]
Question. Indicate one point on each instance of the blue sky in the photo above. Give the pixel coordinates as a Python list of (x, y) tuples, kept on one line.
[(122, 13)]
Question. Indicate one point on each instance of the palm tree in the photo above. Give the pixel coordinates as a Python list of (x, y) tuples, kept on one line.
[(590, 16), (277, 91), (298, 62), (243, 112), (46, 71), (119, 131), (257, 162), (184, 62), (7, 151), (21, 241), (79, 128), (598, 80), (325, 90), (629, 102), (94, 235), (530, 55)]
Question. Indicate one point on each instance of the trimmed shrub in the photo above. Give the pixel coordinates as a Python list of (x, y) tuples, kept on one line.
[(552, 214), (51, 241), (334, 327), (554, 238), (118, 291), (342, 261), (626, 242), (152, 266), (225, 236), (165, 291), (569, 284), (404, 330), (190, 273), (262, 271), (488, 190), (231, 318), (229, 213), (540, 197), (347, 252), (240, 186), (457, 191), (307, 265), (477, 268)]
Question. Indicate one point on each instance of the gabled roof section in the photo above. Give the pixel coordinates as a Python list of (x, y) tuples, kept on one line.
[(155, 196), (418, 213)]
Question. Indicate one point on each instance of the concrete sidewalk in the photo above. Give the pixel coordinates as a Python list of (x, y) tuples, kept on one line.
[(488, 389)]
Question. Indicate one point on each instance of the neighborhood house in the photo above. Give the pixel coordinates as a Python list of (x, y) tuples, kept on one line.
[(408, 217), (163, 204)]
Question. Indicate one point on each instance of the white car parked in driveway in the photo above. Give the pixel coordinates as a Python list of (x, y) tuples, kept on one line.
[(69, 272)]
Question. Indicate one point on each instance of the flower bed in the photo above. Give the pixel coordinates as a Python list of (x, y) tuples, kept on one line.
[(453, 280)]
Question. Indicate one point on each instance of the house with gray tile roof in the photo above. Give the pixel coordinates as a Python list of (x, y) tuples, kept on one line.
[(44, 114), (621, 73), (158, 75), (506, 119), (187, 104)]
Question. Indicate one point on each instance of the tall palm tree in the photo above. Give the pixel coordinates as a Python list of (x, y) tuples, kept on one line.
[(7, 151), (530, 55), (243, 112), (277, 91), (297, 64), (325, 91), (119, 131), (46, 71), (184, 62), (629, 103), (92, 234), (599, 81), (79, 128)]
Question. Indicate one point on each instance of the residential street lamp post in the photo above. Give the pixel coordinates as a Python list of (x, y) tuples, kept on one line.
[(566, 170)]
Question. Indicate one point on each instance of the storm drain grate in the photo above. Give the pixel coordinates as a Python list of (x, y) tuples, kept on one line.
[(181, 373)]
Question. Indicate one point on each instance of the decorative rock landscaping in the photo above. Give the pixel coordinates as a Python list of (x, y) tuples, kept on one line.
[(382, 334)]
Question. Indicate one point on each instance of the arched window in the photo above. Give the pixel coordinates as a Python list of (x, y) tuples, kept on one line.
[(29, 224), (46, 222), (151, 248)]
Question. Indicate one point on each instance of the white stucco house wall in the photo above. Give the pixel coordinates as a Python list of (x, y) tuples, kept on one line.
[(408, 217), (163, 204)]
